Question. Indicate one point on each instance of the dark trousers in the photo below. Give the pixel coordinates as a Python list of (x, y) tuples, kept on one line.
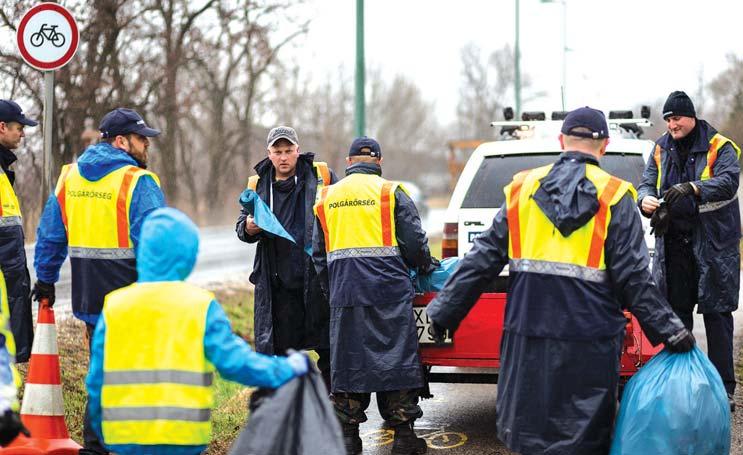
[(289, 327), (682, 280), (395, 406), (92, 445)]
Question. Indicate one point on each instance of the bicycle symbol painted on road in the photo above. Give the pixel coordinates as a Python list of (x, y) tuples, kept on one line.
[(435, 439), (47, 32)]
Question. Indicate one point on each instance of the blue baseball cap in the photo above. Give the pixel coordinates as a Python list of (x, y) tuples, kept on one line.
[(122, 121), (365, 146), (10, 111), (586, 117)]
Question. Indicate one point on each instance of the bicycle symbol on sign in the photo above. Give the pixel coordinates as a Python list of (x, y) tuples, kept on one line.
[(48, 32)]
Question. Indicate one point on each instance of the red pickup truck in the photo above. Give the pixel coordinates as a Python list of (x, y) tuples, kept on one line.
[(476, 344)]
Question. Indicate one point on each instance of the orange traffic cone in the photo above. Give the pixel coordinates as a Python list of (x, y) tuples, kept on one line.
[(42, 411)]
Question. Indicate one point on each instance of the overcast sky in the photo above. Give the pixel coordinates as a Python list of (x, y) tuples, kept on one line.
[(623, 52)]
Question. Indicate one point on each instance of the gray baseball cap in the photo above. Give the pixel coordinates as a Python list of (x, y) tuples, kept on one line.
[(282, 132)]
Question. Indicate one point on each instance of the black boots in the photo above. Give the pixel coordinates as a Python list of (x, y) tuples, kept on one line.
[(351, 439), (406, 442)]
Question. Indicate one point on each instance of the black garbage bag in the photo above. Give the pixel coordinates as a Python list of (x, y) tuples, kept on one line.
[(295, 419)]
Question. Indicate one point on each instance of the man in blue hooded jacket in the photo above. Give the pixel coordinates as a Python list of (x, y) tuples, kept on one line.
[(695, 171), (96, 212), (571, 236), (157, 344)]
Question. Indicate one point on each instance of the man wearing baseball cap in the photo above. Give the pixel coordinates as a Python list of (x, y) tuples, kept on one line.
[(12, 252), (96, 214), (694, 171), (290, 311), (572, 228), (367, 238)]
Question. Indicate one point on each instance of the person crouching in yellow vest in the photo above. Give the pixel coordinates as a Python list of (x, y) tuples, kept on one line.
[(157, 344)]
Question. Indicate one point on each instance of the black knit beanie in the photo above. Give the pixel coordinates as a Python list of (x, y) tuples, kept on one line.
[(678, 104)]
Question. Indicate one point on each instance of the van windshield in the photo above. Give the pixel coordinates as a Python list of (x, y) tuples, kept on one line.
[(495, 172)]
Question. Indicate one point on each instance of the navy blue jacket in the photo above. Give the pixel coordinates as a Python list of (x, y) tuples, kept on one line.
[(15, 270), (316, 305), (714, 217), (373, 337), (556, 367)]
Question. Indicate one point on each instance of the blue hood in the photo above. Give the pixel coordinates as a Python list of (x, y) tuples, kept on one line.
[(101, 159), (168, 246)]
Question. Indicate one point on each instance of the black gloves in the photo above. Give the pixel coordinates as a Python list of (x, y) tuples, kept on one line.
[(43, 291), (661, 220), (682, 341), (678, 191), (10, 426)]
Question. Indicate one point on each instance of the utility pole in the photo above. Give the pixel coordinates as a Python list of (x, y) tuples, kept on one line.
[(360, 100), (517, 66)]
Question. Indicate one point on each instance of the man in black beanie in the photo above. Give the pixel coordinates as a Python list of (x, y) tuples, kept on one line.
[(689, 189)]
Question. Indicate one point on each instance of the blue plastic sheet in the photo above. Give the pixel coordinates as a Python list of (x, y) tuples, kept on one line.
[(675, 405), (262, 214), (434, 281)]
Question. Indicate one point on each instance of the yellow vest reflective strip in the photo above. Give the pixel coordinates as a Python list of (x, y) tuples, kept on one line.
[(323, 178), (158, 413), (558, 268), (9, 206), (10, 221), (156, 378), (101, 253), (368, 252), (369, 201), (96, 214), (581, 254)]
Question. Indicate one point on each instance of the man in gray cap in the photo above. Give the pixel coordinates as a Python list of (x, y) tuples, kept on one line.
[(572, 228), (12, 252), (290, 310), (690, 189)]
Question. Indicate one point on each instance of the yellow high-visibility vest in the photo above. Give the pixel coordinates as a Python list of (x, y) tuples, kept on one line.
[(10, 209), (715, 144), (535, 245), (156, 377), (96, 214), (357, 216), (8, 391)]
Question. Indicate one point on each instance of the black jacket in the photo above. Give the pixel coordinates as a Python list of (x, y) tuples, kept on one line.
[(316, 305)]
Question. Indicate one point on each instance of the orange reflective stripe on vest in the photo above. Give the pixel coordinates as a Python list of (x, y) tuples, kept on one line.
[(656, 157), (122, 218), (386, 215), (321, 215), (599, 229), (61, 193), (512, 213)]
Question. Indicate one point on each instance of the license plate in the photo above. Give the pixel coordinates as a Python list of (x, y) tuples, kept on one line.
[(423, 325)]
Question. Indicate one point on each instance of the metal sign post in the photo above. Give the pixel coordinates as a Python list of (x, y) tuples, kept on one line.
[(47, 39), (46, 181)]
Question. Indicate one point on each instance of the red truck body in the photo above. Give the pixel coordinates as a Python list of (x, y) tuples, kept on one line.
[(476, 342)]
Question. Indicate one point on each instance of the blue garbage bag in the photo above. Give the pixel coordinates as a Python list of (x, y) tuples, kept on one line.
[(675, 405), (262, 214), (434, 281)]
